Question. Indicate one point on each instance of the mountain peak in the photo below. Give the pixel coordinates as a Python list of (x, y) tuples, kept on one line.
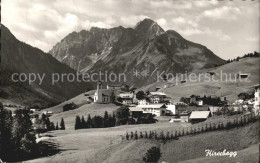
[(150, 27)]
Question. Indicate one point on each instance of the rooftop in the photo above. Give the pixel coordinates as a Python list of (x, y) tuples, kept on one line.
[(135, 109), (154, 106), (158, 93), (124, 95), (199, 114)]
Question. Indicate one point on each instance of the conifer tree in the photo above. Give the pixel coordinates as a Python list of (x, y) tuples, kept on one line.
[(146, 135), (210, 127), (62, 124), (132, 135), (136, 135), (172, 136), (106, 119), (83, 122), (162, 137), (155, 135), (89, 122), (150, 135), (78, 123), (167, 136), (57, 126), (127, 136), (183, 133), (141, 135)]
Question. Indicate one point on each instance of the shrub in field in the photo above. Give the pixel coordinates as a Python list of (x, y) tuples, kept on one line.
[(70, 106), (152, 155)]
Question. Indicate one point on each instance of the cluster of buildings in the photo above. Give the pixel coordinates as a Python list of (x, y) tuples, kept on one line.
[(249, 104), (158, 104), (155, 102)]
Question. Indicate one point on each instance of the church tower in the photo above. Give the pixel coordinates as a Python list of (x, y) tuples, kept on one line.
[(99, 85), (98, 93)]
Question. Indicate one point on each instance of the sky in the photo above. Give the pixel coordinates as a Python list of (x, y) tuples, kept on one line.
[(228, 28)]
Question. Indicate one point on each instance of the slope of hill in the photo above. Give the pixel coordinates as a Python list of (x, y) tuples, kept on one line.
[(105, 145), (188, 147), (204, 86), (19, 57), (122, 50)]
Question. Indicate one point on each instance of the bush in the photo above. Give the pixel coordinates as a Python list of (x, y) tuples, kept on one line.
[(70, 106), (152, 155)]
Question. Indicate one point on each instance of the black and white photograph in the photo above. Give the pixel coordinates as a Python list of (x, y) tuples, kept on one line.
[(130, 81)]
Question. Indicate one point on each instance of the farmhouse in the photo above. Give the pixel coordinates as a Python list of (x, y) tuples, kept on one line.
[(136, 112), (114, 87), (145, 101), (157, 97), (48, 113), (242, 75), (155, 109), (171, 107), (102, 95), (127, 98), (199, 116)]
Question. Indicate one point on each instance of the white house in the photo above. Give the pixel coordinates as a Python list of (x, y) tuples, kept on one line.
[(127, 98), (200, 102), (171, 108), (157, 97), (256, 103), (155, 109), (102, 95), (144, 101)]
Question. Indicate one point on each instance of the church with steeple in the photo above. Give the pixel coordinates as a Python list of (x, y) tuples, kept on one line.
[(102, 95)]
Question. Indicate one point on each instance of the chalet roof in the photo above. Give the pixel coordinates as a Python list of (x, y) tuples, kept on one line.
[(154, 106), (181, 108), (199, 114), (158, 93), (137, 109), (124, 95)]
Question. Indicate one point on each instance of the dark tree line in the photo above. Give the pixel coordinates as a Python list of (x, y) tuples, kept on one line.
[(120, 117), (249, 55), (246, 96), (95, 122), (17, 142), (17, 134), (44, 124), (174, 135)]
